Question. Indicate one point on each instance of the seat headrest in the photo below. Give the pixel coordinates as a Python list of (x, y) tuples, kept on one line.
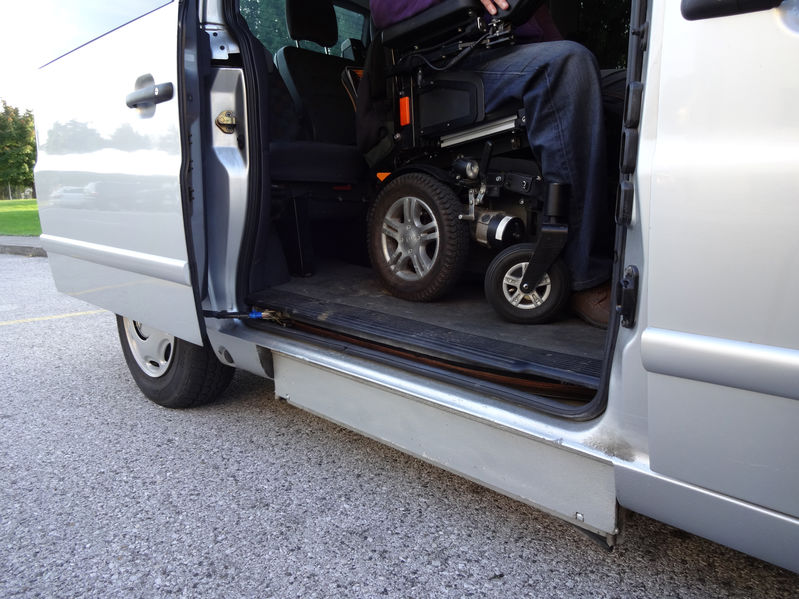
[(312, 21)]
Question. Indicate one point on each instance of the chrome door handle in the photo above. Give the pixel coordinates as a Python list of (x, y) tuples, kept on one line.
[(150, 95)]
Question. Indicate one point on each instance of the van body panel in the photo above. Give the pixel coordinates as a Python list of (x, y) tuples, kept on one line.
[(765, 534), (721, 331), (108, 176)]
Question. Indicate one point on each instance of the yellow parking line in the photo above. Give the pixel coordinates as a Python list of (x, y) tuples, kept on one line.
[(54, 317)]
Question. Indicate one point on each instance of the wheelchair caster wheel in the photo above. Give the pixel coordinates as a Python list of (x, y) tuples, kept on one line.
[(417, 244), (503, 292)]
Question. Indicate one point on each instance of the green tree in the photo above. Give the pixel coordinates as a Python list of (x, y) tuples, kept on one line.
[(17, 147)]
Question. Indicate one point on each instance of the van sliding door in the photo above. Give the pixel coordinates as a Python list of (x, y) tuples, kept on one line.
[(109, 171), (721, 345)]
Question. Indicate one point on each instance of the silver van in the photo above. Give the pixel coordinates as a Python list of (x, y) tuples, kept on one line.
[(219, 206)]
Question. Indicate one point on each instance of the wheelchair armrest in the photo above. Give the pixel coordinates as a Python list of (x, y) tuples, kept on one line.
[(436, 21), (445, 18)]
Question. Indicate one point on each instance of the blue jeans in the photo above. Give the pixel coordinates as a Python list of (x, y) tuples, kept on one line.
[(558, 84)]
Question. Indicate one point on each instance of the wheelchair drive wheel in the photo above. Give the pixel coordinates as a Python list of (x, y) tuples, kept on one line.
[(503, 287), (417, 244)]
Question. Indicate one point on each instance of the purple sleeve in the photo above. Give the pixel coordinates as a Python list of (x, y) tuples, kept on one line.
[(388, 12), (540, 28)]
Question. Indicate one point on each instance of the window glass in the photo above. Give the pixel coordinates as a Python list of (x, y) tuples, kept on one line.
[(267, 21), (350, 26)]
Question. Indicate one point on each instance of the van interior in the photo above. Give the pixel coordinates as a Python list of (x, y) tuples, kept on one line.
[(305, 252)]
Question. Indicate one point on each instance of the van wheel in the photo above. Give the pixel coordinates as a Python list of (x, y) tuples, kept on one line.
[(417, 244), (503, 292), (171, 372)]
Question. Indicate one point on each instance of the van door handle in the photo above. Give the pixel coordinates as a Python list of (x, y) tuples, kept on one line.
[(150, 95)]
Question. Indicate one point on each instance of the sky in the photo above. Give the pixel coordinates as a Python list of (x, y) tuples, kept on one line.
[(24, 47), (37, 31)]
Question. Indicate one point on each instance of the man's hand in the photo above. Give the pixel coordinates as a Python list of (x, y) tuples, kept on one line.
[(491, 5)]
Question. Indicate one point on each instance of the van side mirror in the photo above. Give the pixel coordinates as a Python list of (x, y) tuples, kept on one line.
[(694, 10)]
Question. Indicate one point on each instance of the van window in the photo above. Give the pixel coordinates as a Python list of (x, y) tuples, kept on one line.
[(267, 21)]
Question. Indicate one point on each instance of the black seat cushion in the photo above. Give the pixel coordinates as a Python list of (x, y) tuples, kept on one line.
[(437, 21)]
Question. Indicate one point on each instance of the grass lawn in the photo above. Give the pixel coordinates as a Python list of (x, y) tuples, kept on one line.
[(19, 217)]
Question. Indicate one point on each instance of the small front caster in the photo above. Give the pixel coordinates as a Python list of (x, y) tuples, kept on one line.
[(540, 304)]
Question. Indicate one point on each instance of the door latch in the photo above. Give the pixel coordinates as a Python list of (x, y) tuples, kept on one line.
[(627, 297), (226, 121)]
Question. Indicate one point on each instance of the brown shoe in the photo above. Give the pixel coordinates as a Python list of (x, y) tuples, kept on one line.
[(593, 305)]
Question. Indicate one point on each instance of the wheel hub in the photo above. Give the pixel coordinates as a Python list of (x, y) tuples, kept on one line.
[(519, 297), (410, 238), (152, 349)]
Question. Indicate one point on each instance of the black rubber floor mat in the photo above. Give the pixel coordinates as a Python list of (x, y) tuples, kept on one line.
[(426, 339)]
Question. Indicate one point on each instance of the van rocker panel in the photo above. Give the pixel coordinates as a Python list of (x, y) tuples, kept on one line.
[(445, 431)]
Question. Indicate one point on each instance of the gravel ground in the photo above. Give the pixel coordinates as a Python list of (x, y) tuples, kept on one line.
[(104, 494)]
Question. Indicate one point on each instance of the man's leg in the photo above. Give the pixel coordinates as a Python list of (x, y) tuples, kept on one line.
[(558, 84)]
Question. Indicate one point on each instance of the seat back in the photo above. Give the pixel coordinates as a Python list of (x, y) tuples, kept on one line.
[(432, 104), (314, 79)]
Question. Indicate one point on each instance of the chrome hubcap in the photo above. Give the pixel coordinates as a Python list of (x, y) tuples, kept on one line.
[(152, 349), (410, 238), (511, 287)]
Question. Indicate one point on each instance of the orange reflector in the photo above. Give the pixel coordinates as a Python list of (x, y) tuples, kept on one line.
[(383, 176), (405, 111)]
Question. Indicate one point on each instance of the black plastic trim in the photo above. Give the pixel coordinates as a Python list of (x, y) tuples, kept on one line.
[(634, 104), (255, 71), (694, 10), (629, 151), (624, 203), (189, 111)]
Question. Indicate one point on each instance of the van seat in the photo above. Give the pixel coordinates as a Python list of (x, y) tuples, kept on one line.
[(314, 79), (293, 158)]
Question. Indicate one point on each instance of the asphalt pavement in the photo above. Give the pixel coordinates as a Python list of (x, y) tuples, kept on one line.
[(104, 494)]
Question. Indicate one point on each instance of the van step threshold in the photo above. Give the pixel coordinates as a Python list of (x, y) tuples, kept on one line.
[(428, 340)]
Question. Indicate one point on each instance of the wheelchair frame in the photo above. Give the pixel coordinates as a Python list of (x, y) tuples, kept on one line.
[(441, 129)]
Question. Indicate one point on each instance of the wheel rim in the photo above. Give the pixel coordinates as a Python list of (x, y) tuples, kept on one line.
[(511, 288), (152, 349), (410, 238)]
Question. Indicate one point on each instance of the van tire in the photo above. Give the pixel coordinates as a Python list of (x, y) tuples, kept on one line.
[(543, 304), (170, 371), (411, 263)]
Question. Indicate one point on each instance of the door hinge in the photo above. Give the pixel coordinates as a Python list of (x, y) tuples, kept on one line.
[(627, 297)]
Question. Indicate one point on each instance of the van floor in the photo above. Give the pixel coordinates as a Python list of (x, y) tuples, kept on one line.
[(458, 329)]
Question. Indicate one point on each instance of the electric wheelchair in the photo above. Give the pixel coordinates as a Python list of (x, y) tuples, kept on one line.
[(457, 173)]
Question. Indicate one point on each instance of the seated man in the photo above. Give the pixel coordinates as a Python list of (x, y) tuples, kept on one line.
[(558, 83)]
